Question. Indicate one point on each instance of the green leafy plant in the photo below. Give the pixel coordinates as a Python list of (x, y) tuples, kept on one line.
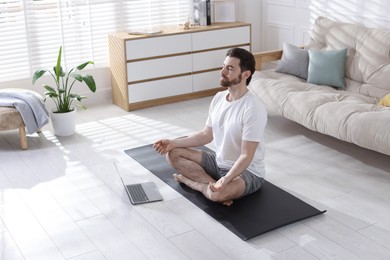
[(62, 94)]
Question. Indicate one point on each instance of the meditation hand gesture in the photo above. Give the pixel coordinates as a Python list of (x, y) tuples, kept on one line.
[(219, 185), (163, 146)]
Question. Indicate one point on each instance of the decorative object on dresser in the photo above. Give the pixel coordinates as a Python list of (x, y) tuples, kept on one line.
[(63, 96), (348, 79), (224, 11), (202, 12), (172, 66)]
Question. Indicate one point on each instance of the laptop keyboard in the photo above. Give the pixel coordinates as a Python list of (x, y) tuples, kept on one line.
[(138, 193)]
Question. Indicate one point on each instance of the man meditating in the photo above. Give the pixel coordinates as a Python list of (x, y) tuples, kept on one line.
[(236, 123)]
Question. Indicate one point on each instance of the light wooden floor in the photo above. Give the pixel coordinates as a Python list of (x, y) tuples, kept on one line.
[(62, 199)]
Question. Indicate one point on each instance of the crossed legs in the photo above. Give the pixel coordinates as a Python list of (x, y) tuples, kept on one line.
[(187, 163)]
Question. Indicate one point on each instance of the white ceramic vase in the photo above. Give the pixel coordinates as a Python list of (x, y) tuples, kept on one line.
[(64, 124)]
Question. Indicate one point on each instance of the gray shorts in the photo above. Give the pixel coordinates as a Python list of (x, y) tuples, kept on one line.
[(209, 164)]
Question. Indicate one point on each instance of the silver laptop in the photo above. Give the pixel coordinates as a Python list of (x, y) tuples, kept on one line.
[(141, 192)]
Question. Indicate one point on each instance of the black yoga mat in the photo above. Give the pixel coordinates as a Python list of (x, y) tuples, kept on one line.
[(263, 211)]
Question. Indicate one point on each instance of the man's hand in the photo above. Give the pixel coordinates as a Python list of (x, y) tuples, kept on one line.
[(219, 185), (163, 146)]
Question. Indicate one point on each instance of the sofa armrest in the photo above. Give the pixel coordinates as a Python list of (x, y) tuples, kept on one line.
[(267, 56)]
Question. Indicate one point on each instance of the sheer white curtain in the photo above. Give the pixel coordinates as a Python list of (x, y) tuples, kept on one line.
[(31, 31)]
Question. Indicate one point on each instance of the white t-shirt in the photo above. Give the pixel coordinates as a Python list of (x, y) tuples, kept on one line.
[(231, 122)]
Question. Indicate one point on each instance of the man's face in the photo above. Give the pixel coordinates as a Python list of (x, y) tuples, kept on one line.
[(231, 72)]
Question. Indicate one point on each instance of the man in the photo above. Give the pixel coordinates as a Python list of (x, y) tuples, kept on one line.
[(236, 124)]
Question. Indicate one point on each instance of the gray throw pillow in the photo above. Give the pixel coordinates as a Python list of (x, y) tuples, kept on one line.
[(294, 61)]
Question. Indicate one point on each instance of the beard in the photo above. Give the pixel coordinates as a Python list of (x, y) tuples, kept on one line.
[(224, 82)]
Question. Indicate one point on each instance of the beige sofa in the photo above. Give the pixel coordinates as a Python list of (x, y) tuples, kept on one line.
[(349, 113)]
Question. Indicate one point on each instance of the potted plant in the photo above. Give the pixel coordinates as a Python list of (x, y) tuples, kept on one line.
[(63, 96)]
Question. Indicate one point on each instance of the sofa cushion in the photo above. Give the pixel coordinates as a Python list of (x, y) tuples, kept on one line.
[(327, 67), (368, 59), (273, 74), (294, 61), (370, 128), (265, 84)]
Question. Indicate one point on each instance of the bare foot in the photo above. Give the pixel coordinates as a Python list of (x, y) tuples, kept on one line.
[(183, 179), (177, 177)]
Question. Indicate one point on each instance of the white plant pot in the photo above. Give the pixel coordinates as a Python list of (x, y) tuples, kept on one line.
[(64, 124)]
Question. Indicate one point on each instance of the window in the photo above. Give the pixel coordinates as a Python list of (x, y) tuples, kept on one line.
[(31, 31)]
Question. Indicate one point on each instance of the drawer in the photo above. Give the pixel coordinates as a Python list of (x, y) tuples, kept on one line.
[(159, 88), (220, 38), (158, 46), (155, 68), (210, 59), (207, 80)]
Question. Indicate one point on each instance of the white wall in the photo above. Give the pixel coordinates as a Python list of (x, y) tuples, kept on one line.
[(250, 11), (290, 20)]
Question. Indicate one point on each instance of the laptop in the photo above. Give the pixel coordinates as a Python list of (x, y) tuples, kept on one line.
[(141, 192)]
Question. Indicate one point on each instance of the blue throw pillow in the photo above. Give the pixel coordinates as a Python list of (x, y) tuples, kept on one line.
[(327, 67), (294, 61)]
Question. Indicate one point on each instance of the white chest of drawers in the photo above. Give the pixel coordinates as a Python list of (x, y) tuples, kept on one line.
[(171, 66)]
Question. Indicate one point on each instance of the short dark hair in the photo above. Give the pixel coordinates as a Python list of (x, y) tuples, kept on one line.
[(247, 60)]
